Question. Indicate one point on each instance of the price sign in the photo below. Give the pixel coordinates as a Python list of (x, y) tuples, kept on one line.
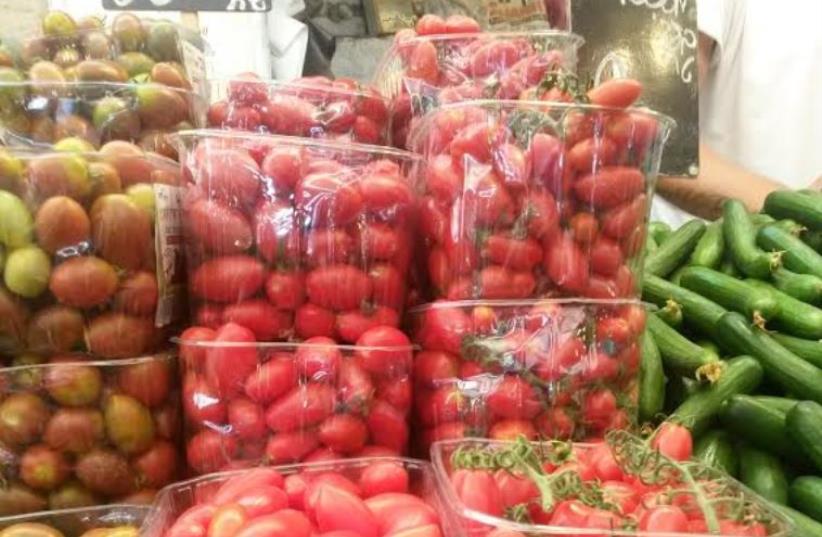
[(237, 6), (654, 41)]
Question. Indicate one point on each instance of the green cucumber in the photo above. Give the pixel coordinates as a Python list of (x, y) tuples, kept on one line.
[(794, 317), (678, 389), (806, 495), (782, 404), (680, 354), (786, 369), (697, 311), (676, 275), (727, 267), (740, 240), (741, 375), (760, 425), (671, 313), (760, 219), (804, 423), (804, 526), (804, 208), (675, 249), (791, 226), (716, 449), (813, 239), (807, 349), (763, 473), (651, 380), (731, 293), (659, 231), (650, 244), (796, 255), (710, 247), (711, 347), (804, 287)]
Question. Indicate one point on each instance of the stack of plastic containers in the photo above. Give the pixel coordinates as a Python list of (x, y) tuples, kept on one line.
[(532, 219), (299, 243), (91, 262)]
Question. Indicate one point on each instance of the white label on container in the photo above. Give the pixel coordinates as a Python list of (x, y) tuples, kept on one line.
[(168, 250), (195, 66)]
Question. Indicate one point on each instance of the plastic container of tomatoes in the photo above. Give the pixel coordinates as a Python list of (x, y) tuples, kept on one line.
[(88, 49), (312, 107), (622, 488), (76, 432), (294, 237), (90, 250), (367, 496), (540, 369), (99, 521), (422, 72), (246, 403), (536, 199), (43, 113)]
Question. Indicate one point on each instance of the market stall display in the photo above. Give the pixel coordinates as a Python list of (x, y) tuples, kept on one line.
[(77, 432), (376, 497), (246, 402), (312, 107), (87, 260), (504, 369), (296, 238)]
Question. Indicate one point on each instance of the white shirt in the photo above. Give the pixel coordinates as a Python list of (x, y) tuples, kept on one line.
[(762, 104)]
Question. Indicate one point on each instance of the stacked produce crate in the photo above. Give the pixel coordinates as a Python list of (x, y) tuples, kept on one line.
[(91, 263)]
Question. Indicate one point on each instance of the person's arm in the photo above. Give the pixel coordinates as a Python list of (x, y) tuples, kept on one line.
[(719, 178)]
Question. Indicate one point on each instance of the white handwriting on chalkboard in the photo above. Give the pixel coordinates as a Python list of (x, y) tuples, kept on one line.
[(683, 42), (669, 7)]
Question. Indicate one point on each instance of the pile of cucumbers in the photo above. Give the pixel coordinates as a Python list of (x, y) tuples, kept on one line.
[(734, 349)]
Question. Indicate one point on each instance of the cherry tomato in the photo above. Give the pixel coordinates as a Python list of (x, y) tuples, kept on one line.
[(674, 441), (664, 518), (283, 523), (383, 477), (338, 509), (304, 406)]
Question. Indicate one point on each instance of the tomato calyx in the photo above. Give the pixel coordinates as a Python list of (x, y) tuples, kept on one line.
[(566, 82)]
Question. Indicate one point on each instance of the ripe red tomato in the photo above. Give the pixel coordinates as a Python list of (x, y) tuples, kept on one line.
[(397, 392), (283, 523), (566, 264), (597, 407), (674, 441), (584, 228), (304, 406), (460, 24), (383, 192), (318, 359), (513, 429), (433, 366), (272, 379), (478, 490), (443, 328), (423, 63), (388, 286), (625, 219), (286, 448), (513, 398), (443, 179), (311, 320), (343, 433), (664, 518), (610, 186), (379, 242), (388, 427), (338, 287), (383, 477), (338, 509), (329, 198), (263, 319), (275, 231), (430, 24), (328, 246), (228, 175), (396, 512), (384, 351), (227, 521), (218, 228), (616, 92), (513, 253), (284, 167), (285, 290), (236, 487), (191, 352), (354, 387), (226, 368), (228, 279), (246, 419), (208, 451)]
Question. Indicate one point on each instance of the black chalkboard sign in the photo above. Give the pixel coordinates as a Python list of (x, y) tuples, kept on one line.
[(655, 41), (238, 6)]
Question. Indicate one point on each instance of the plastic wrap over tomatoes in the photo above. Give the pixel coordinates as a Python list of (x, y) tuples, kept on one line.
[(98, 521), (90, 253), (535, 199), (624, 486), (297, 238), (369, 497), (312, 107), (444, 62), (246, 402), (75, 432), (540, 369)]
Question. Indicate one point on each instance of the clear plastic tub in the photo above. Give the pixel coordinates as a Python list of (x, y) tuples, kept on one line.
[(690, 489), (315, 232), (40, 114), (314, 107), (282, 403), (90, 249), (139, 48), (181, 499), (123, 520), (542, 369), (536, 199), (77, 432), (420, 73)]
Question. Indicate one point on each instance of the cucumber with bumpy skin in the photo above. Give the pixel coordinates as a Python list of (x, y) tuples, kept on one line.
[(804, 423), (764, 474), (796, 255), (794, 316), (716, 449), (741, 375), (675, 249), (791, 372), (651, 380), (782, 404), (806, 495), (804, 208), (710, 248), (659, 231), (808, 349), (698, 311), (727, 291), (804, 287), (680, 354), (740, 241)]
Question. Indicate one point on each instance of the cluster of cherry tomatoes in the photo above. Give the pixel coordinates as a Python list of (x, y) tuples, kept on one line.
[(296, 238), (313, 107), (590, 487), (245, 402), (386, 497), (533, 369)]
